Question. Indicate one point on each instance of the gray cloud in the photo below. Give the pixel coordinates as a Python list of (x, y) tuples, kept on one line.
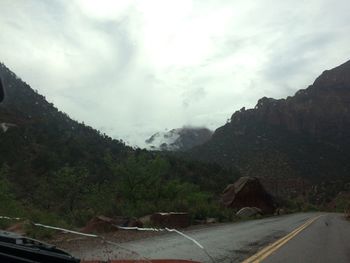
[(193, 95), (132, 68)]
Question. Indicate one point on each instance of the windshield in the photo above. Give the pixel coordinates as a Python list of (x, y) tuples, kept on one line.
[(189, 130)]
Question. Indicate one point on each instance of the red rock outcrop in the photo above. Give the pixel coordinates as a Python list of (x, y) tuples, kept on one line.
[(248, 192)]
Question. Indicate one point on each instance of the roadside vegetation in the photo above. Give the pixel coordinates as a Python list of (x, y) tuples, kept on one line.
[(141, 184)]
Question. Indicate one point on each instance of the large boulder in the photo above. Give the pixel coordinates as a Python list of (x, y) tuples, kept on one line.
[(248, 192)]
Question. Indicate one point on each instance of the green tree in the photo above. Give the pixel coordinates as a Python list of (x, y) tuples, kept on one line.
[(70, 186)]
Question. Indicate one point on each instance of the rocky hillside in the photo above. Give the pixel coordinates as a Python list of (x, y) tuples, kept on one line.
[(181, 139), (36, 138), (300, 140)]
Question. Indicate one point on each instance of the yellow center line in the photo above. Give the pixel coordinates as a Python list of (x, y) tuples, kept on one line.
[(267, 251)]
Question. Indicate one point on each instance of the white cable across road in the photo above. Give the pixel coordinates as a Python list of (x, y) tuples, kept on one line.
[(77, 233), (65, 230), (170, 230), (162, 229), (10, 218), (119, 227)]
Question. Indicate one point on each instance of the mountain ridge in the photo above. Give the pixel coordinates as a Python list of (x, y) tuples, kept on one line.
[(303, 136)]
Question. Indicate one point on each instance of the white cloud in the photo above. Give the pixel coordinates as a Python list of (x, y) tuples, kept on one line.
[(134, 67), (104, 9)]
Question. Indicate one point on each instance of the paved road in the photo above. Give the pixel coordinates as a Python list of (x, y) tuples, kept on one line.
[(325, 240)]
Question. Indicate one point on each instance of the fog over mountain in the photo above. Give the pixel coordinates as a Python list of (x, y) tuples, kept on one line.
[(180, 139), (133, 68)]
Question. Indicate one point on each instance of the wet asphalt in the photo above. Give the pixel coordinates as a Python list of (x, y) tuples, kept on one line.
[(325, 240)]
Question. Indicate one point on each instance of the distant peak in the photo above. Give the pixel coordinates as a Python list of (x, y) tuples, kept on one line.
[(179, 139)]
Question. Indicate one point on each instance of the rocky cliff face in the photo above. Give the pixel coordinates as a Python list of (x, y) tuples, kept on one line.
[(303, 136), (321, 110)]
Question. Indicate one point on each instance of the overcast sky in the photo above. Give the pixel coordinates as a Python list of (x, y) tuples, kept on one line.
[(132, 68)]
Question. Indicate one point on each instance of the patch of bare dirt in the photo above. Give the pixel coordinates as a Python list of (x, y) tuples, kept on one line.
[(72, 243)]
